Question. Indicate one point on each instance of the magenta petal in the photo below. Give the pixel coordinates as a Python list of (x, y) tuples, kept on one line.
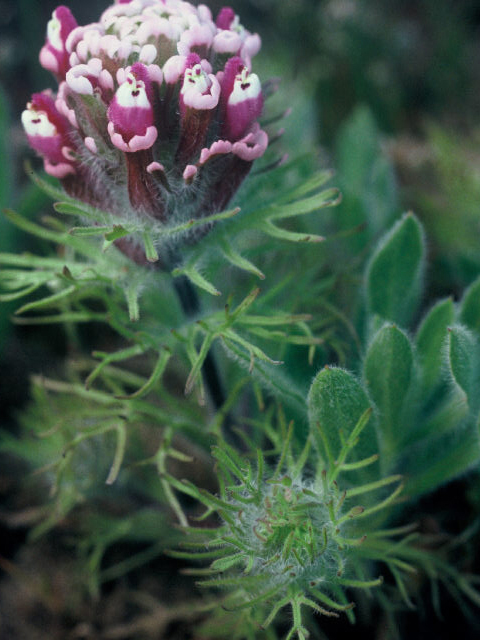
[(45, 102), (240, 116), (253, 146), (233, 67), (50, 147), (220, 147), (131, 111), (54, 55), (225, 18), (67, 21), (130, 121)]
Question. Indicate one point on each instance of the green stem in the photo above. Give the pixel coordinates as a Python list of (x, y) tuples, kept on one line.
[(191, 307)]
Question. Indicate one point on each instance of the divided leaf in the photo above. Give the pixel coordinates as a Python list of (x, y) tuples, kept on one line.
[(394, 274)]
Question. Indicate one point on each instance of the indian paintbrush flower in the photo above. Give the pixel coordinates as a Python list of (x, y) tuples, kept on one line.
[(156, 113)]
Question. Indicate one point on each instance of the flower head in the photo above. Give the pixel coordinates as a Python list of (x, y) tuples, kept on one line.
[(48, 133), (156, 113)]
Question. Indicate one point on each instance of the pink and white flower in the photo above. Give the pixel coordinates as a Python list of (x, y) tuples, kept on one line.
[(54, 55), (156, 114), (48, 133), (130, 113)]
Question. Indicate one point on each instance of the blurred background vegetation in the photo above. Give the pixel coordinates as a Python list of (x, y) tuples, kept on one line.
[(387, 92)]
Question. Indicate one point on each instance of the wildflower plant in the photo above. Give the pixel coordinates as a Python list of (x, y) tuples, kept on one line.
[(302, 473)]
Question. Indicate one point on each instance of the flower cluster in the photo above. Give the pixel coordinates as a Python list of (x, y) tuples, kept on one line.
[(156, 114)]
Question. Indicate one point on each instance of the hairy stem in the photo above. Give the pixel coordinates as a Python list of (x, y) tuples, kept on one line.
[(211, 377)]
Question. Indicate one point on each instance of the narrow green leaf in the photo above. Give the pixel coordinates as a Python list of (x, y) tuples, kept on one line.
[(121, 432), (48, 301), (89, 231), (51, 190), (240, 261), (9, 297), (308, 186), (76, 209), (131, 294), (388, 374), (107, 358), (196, 277), (60, 318), (150, 251), (197, 365), (255, 352), (199, 222), (326, 198), (394, 274), (34, 229), (273, 321), (430, 339), (28, 260), (243, 307), (291, 236), (271, 378), (157, 373)]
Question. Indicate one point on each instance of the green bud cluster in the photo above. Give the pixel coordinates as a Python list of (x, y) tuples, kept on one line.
[(289, 537)]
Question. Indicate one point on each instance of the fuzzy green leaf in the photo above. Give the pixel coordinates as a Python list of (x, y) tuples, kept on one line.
[(430, 339), (460, 359), (49, 189), (82, 210), (336, 401), (326, 198), (48, 301), (240, 261), (156, 374), (150, 250), (470, 307), (439, 461), (196, 277), (89, 231), (394, 274), (388, 373), (291, 236)]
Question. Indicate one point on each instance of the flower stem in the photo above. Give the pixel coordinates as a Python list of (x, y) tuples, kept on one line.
[(191, 307)]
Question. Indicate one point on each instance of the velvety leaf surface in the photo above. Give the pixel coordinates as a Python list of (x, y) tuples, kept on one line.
[(430, 339), (388, 373), (336, 402), (394, 274)]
